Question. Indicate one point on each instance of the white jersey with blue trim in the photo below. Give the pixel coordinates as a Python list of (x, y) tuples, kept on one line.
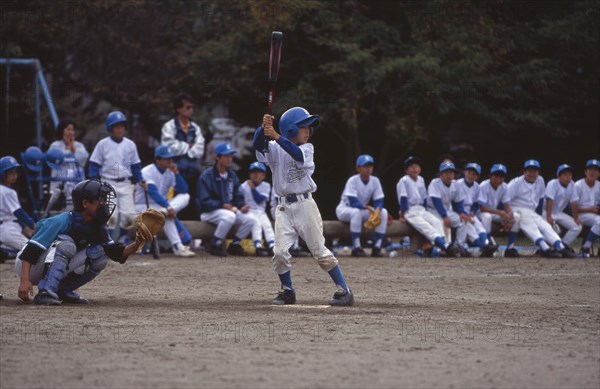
[(525, 194), (447, 193), (588, 196), (471, 193), (414, 190), (289, 175), (115, 158), (9, 203), (162, 180), (490, 197), (560, 195), (364, 192), (264, 189)]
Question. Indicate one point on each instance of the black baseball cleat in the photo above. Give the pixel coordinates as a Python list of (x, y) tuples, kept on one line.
[(236, 249), (261, 252), (453, 251), (550, 254), (584, 252), (358, 252), (376, 252), (44, 298), (488, 250), (72, 298), (341, 299), (271, 252), (284, 297), (567, 252), (511, 253), (217, 251)]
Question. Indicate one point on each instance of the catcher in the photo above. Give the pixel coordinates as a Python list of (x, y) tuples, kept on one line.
[(360, 190), (70, 249)]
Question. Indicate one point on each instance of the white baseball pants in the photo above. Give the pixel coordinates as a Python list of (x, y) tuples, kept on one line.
[(11, 235), (36, 272), (567, 222), (591, 220), (356, 217), (487, 219), (535, 226), (301, 218), (125, 205), (261, 224), (424, 222), (226, 219), (461, 227)]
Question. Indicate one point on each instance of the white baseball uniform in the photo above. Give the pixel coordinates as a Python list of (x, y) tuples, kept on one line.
[(297, 213), (364, 192), (471, 195), (524, 199), (163, 181), (561, 197), (115, 159), (448, 194), (258, 211), (492, 198), (10, 229), (416, 214), (589, 197)]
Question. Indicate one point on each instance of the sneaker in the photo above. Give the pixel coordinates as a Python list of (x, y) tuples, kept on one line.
[(236, 249), (271, 252), (550, 254), (358, 252), (345, 298), (183, 251), (464, 253), (72, 297), (261, 252), (511, 253), (217, 251), (284, 296), (376, 252), (584, 252), (453, 251), (44, 298)]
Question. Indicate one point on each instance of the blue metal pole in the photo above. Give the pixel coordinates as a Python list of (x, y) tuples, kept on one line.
[(46, 92)]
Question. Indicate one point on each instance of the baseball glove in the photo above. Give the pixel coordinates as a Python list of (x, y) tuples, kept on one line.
[(148, 223), (374, 219)]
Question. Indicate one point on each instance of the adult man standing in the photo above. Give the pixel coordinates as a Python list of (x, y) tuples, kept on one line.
[(186, 142)]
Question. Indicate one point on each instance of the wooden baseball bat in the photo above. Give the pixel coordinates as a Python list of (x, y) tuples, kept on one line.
[(274, 59), (154, 246)]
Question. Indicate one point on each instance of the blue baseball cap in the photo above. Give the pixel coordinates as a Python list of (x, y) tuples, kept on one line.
[(224, 149), (447, 166), (258, 166), (474, 166), (364, 159), (592, 162), (162, 151), (562, 168), (498, 168), (531, 163), (412, 160)]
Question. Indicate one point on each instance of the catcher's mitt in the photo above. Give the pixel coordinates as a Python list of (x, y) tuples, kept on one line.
[(374, 219), (148, 223)]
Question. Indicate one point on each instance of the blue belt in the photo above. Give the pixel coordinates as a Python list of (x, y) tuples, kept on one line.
[(292, 198), (117, 179)]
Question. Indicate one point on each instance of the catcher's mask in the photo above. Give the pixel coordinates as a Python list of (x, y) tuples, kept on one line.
[(95, 190)]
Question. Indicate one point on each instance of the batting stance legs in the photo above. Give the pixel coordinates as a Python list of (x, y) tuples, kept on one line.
[(62, 269)]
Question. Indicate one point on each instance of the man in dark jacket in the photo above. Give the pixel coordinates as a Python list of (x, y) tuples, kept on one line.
[(222, 203)]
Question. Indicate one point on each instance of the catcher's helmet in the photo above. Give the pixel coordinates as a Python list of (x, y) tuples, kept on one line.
[(114, 118), (33, 158), (7, 163), (294, 118), (95, 190), (54, 157)]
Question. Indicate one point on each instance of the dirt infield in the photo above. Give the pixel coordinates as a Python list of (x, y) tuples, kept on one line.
[(207, 322)]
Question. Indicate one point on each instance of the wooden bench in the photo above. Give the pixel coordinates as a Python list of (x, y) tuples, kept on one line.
[(332, 229)]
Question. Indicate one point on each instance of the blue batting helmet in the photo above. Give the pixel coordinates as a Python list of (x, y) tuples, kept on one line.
[(294, 118), (114, 118), (54, 157), (33, 158), (7, 163)]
